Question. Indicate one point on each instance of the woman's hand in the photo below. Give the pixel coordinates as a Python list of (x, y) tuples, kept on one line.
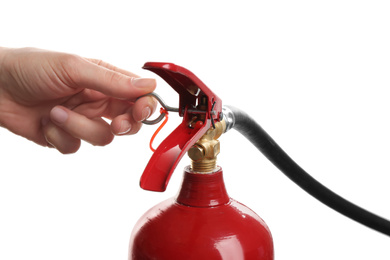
[(57, 99)]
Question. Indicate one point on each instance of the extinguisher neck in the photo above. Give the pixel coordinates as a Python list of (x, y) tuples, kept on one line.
[(203, 190), (203, 153)]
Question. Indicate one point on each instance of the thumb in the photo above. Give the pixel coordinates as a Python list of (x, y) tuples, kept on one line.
[(111, 82)]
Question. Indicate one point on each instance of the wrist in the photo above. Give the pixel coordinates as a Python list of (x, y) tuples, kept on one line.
[(4, 66), (3, 51), (2, 54), (3, 74)]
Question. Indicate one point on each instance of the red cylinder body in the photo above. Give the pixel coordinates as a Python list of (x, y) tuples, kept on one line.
[(202, 222)]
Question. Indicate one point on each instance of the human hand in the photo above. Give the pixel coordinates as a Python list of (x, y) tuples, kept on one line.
[(58, 99)]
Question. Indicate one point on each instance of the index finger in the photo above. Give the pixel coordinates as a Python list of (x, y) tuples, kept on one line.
[(112, 67), (116, 83)]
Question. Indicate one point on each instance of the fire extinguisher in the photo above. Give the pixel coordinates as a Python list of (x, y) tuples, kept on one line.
[(202, 221)]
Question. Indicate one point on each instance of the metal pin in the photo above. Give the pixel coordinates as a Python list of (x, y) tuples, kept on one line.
[(163, 104)]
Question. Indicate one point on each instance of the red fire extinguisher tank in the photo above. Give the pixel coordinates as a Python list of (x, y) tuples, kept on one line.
[(202, 222)]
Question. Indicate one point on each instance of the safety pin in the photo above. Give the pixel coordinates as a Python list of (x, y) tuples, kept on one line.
[(163, 104)]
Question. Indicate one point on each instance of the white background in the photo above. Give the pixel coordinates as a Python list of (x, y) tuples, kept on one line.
[(314, 74)]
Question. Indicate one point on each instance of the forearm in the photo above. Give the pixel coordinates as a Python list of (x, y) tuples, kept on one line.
[(3, 71), (3, 75), (2, 53)]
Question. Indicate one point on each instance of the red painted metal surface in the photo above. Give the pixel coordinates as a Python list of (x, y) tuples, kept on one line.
[(202, 222), (168, 154)]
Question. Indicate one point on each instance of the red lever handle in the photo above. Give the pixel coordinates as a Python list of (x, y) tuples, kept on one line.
[(196, 121)]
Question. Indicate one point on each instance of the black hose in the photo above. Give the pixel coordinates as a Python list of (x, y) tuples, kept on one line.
[(244, 124)]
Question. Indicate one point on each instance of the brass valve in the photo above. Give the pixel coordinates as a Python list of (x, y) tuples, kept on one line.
[(204, 152)]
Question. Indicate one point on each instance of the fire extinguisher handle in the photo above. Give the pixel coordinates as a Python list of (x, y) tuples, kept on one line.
[(200, 109)]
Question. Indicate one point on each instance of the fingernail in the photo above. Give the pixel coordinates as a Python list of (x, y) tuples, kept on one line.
[(146, 113), (125, 127), (59, 115), (143, 82)]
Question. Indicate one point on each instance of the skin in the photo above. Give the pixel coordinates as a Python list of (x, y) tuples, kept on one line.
[(58, 99)]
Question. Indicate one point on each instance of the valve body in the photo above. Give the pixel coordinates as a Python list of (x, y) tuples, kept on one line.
[(202, 222)]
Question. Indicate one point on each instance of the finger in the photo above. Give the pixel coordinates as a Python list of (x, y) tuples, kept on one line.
[(94, 131), (84, 96), (130, 122), (60, 139), (112, 67), (143, 108), (125, 124), (87, 74)]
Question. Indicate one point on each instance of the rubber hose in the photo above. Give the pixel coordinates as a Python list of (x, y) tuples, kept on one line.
[(249, 128)]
